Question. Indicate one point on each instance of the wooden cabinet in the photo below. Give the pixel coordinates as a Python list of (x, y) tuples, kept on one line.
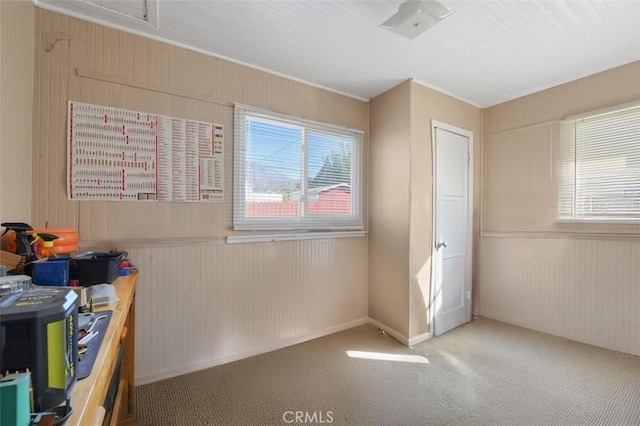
[(88, 395)]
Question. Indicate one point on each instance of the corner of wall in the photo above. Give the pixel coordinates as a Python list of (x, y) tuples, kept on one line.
[(477, 258), (537, 275), (389, 189)]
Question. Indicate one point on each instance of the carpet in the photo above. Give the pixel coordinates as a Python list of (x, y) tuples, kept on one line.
[(483, 373)]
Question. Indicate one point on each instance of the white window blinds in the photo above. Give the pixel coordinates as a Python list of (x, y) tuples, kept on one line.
[(295, 174), (599, 165)]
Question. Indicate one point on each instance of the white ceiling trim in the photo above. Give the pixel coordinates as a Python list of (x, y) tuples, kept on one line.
[(48, 6)]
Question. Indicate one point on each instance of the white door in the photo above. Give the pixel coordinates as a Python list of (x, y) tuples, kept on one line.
[(451, 255)]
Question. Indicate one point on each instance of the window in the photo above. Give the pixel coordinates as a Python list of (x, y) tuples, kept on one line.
[(295, 174), (599, 165)]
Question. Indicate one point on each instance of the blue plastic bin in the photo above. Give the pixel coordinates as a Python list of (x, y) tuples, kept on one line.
[(53, 272)]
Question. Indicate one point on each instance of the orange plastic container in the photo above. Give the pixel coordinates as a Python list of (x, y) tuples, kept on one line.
[(66, 243)]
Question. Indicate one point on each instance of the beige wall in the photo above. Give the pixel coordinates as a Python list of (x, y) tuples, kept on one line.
[(389, 198), (17, 38), (520, 141), (232, 300), (426, 105), (582, 289), (577, 280), (401, 220)]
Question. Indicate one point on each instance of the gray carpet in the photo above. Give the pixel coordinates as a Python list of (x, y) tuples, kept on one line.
[(483, 373)]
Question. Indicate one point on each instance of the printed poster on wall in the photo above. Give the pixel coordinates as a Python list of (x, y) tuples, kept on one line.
[(121, 155)]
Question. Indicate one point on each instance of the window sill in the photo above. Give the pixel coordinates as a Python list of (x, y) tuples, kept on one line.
[(237, 239), (601, 221)]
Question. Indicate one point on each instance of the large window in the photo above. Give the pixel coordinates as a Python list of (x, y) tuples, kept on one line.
[(294, 174), (599, 167)]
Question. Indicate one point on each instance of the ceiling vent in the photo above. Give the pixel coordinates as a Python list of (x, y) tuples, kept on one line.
[(145, 10), (415, 17)]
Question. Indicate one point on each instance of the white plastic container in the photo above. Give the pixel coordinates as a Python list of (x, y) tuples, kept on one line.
[(14, 284)]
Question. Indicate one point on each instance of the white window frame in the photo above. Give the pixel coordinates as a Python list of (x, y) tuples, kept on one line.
[(562, 217), (313, 222)]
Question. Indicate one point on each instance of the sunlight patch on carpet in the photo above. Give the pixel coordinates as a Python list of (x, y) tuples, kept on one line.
[(388, 357)]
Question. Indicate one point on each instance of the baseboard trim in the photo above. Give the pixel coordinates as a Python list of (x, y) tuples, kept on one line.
[(390, 331), (419, 339), (258, 351), (399, 336), (498, 318)]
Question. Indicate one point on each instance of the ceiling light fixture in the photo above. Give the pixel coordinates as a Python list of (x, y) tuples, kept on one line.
[(415, 17)]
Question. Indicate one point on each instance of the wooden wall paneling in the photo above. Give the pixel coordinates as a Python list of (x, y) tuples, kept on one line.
[(230, 299), (153, 59), (190, 64), (121, 53), (107, 34), (256, 91), (199, 74), (117, 53), (17, 41), (66, 212), (210, 76), (129, 54), (74, 61), (37, 116), (518, 180), (54, 106), (40, 110), (164, 65), (581, 289), (92, 41), (139, 58), (85, 85), (296, 98), (578, 281), (215, 76), (42, 144), (178, 56), (143, 73), (232, 80), (173, 69), (279, 102), (98, 46), (57, 205), (109, 49), (161, 64)]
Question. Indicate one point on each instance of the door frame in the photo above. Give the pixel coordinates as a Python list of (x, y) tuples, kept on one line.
[(469, 135)]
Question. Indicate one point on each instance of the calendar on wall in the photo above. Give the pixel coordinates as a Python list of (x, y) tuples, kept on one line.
[(115, 154)]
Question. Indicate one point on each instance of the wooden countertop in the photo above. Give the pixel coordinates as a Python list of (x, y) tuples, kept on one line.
[(89, 394)]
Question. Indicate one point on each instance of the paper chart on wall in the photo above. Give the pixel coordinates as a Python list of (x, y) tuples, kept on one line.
[(123, 155)]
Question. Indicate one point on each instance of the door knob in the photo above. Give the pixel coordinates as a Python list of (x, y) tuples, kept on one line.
[(441, 243)]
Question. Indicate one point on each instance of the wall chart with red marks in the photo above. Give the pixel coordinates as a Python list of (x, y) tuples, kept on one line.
[(122, 155)]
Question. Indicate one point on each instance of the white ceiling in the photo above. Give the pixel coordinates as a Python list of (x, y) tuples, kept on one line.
[(487, 52)]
